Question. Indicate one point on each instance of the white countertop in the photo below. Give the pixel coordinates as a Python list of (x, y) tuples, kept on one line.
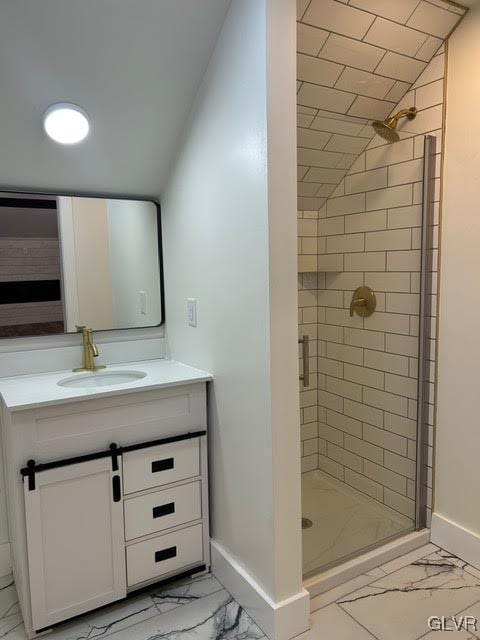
[(40, 390)]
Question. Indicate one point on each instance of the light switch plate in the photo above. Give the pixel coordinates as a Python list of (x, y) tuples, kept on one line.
[(192, 312)]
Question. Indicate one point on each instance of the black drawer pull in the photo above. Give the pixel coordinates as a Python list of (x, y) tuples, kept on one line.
[(165, 554), (116, 490), (164, 510), (162, 465)]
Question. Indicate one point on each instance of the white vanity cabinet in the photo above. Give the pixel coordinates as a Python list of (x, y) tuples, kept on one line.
[(76, 543), (105, 496)]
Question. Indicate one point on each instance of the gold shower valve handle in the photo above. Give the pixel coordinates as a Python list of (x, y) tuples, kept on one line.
[(363, 302)]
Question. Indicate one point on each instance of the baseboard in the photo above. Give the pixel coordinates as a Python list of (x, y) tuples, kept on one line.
[(454, 538), (278, 620), (5, 559)]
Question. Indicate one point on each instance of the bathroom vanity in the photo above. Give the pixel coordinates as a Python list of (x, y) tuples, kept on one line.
[(107, 484)]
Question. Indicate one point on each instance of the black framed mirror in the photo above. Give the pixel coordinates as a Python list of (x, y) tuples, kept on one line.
[(68, 260)]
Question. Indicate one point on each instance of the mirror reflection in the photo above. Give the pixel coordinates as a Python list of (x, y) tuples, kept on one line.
[(70, 260)]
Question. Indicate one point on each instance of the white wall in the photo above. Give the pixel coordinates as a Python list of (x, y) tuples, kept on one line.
[(230, 241), (458, 436), (133, 247)]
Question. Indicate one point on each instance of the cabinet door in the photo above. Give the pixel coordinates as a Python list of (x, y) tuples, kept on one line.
[(75, 537)]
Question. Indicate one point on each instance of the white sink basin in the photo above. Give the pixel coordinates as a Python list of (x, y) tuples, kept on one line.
[(101, 379)]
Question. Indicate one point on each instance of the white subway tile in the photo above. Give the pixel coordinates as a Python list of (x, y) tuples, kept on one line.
[(395, 239), (405, 172), (330, 434), (364, 83), (392, 363), (389, 154), (364, 413), (313, 95), (330, 333), (434, 71), (330, 367), (385, 477), (346, 204), (310, 446), (309, 39), (385, 401), (343, 281), (342, 317), (330, 466), (364, 261), (346, 144), (392, 9), (315, 70), (345, 353), (330, 401), (364, 107), (310, 463), (405, 217), (319, 158), (333, 262), (403, 303), (364, 376), (389, 198), (367, 339), (307, 228), (400, 464), (344, 423), (433, 20), (429, 95), (366, 181), (312, 139), (401, 425), (401, 385), (364, 449), (395, 37), (344, 457), (328, 298), (428, 49), (389, 281), (351, 52), (395, 65), (363, 484), (323, 175), (347, 243), (385, 439), (334, 16), (344, 388), (404, 345), (390, 322), (404, 260), (331, 226), (399, 503)]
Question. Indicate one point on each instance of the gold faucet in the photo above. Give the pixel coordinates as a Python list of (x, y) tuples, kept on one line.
[(90, 350)]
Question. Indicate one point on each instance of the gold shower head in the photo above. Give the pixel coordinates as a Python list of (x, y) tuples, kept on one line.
[(387, 129)]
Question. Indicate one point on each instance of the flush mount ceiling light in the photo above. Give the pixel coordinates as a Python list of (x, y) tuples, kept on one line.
[(66, 123)]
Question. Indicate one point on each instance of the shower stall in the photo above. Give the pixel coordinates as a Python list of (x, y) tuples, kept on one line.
[(370, 126)]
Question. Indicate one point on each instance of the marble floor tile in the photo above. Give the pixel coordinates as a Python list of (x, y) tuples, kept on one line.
[(397, 606), (209, 618), (197, 608), (332, 623), (345, 521)]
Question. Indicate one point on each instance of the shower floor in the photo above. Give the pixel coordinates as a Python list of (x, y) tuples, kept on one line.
[(344, 521)]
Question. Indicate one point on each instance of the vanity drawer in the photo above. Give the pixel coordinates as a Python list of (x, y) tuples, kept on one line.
[(164, 554), (162, 509), (164, 464)]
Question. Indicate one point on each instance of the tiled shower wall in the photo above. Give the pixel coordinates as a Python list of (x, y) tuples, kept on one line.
[(362, 427)]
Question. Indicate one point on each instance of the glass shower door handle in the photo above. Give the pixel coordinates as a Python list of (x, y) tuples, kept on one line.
[(305, 377)]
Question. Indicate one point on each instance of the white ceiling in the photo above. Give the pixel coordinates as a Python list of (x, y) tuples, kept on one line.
[(356, 60), (133, 65)]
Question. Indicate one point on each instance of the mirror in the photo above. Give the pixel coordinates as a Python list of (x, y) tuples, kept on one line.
[(75, 260)]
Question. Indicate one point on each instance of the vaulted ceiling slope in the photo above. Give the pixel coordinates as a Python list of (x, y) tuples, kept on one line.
[(356, 60), (133, 65)]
